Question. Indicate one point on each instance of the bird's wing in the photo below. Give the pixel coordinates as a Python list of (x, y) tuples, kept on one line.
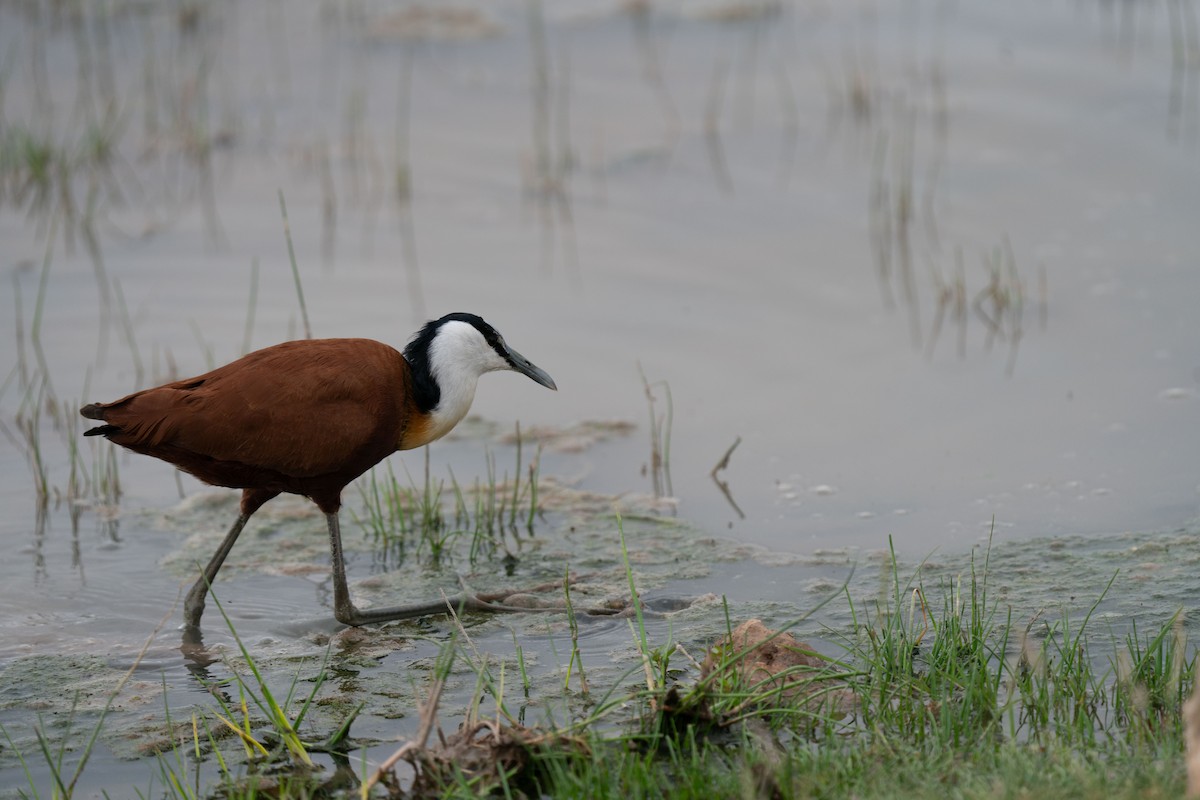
[(303, 409)]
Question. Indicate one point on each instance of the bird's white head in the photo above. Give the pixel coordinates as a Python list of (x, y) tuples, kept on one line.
[(447, 357)]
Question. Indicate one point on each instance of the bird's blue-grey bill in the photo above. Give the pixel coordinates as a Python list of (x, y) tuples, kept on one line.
[(526, 367)]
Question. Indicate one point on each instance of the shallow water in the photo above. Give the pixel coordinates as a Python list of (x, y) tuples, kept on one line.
[(701, 194)]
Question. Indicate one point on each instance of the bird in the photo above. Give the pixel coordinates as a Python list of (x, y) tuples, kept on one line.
[(307, 417)]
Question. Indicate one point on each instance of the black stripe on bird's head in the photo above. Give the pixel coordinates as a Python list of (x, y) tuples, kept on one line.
[(458, 347)]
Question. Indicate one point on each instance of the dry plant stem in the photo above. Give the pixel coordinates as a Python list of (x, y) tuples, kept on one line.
[(481, 659), (458, 626), (722, 485), (428, 719), (724, 462), (1191, 738), (660, 438)]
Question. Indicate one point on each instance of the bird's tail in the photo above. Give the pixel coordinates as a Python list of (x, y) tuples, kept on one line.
[(93, 411)]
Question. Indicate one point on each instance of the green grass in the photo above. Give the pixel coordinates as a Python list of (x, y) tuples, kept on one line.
[(950, 695), (949, 699), (929, 691), (429, 517), (696, 769)]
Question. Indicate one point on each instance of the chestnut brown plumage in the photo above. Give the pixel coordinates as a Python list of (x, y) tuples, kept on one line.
[(308, 417)]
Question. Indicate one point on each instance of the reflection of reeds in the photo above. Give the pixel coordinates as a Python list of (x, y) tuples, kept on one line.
[(251, 306), (355, 138), (547, 172), (29, 427), (879, 223), (287, 234), (328, 204), (403, 189), (150, 79), (660, 437), (791, 123), (105, 485), (891, 213), (853, 98), (641, 19), (1043, 297), (539, 81), (949, 296), (1185, 69), (1001, 304), (126, 323), (903, 216), (898, 230), (44, 178), (40, 409), (712, 129), (65, 171), (37, 61), (200, 139), (722, 464), (940, 127), (892, 205)]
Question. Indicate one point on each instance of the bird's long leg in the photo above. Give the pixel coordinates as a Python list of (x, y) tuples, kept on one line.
[(343, 610), (348, 614), (193, 604)]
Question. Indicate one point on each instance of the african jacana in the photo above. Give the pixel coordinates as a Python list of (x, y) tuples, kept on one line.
[(308, 417)]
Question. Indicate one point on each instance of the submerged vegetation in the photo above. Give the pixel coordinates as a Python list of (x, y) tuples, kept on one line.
[(430, 516), (931, 689)]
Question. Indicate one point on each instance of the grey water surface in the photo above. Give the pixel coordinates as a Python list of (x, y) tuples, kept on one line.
[(933, 265)]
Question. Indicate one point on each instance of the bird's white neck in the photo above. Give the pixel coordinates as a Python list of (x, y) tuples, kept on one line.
[(458, 355), (458, 392)]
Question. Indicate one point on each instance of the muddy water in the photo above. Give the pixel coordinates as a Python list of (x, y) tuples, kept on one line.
[(764, 208)]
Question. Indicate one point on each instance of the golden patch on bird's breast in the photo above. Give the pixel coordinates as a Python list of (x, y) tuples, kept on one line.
[(418, 432)]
